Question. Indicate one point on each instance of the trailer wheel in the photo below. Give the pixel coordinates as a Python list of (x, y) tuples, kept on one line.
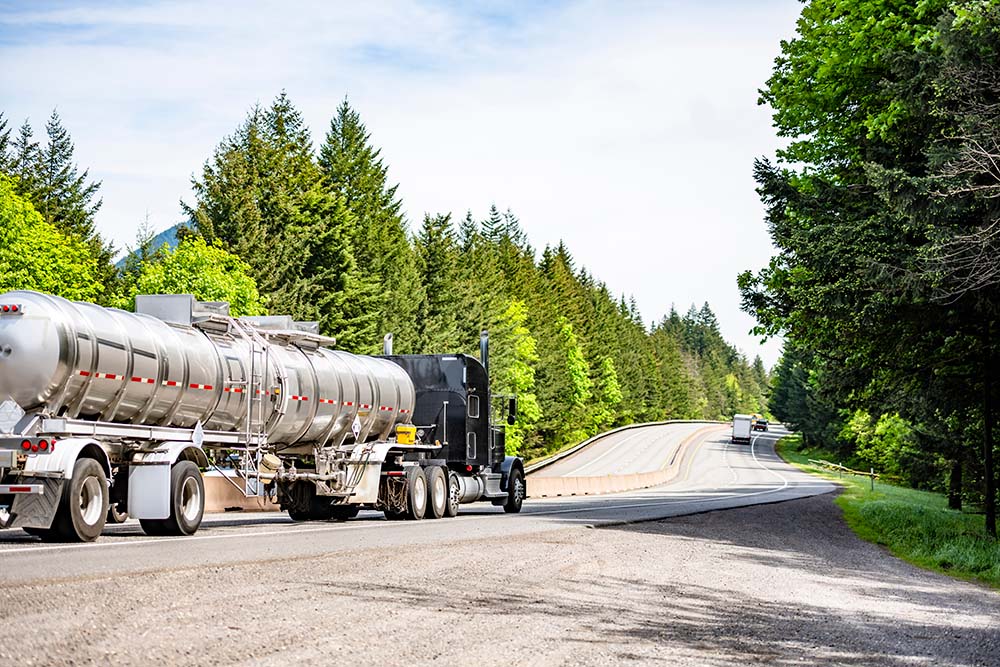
[(416, 493), (116, 514), (451, 507), (516, 490), (187, 503), (437, 492), (83, 507)]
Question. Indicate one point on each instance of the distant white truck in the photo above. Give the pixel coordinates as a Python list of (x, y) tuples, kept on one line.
[(741, 428)]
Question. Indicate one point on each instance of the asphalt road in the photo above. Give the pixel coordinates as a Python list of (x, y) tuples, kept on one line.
[(713, 474), (638, 450), (659, 579)]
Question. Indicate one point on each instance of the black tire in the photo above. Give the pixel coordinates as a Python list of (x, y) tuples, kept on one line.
[(437, 492), (187, 503), (44, 533), (83, 506), (516, 490), (451, 507), (299, 515), (343, 512), (116, 515), (416, 493)]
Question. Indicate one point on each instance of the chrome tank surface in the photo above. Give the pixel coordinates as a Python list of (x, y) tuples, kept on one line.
[(77, 359)]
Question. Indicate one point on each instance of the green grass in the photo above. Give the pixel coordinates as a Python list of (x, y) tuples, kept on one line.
[(916, 526)]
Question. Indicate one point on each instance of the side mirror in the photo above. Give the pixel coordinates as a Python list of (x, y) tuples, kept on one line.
[(512, 411)]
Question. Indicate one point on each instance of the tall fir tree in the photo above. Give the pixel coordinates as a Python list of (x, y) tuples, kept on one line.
[(353, 169)]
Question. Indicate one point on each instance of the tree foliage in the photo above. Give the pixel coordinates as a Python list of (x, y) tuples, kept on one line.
[(35, 255), (208, 272), (881, 208), (278, 225)]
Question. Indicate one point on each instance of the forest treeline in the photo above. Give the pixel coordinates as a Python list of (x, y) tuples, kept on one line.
[(278, 226), (885, 209)]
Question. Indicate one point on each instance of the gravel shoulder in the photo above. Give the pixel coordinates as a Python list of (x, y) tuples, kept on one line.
[(782, 584)]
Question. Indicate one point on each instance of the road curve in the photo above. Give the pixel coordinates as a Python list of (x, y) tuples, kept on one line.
[(713, 474), (632, 451)]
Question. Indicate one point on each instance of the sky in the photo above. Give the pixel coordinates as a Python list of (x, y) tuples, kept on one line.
[(626, 129)]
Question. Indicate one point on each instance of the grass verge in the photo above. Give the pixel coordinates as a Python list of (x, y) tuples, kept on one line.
[(916, 526)]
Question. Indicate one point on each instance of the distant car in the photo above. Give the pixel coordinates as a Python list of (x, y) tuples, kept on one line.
[(760, 425)]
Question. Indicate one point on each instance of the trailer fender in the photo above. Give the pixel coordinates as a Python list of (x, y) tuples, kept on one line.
[(509, 463), (64, 457), (149, 477)]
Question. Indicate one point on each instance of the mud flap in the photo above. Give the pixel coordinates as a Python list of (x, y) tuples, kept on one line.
[(149, 491), (36, 510)]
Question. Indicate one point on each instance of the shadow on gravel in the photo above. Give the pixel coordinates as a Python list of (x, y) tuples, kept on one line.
[(823, 597)]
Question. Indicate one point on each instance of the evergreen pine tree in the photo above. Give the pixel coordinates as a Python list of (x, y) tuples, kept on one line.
[(353, 169)]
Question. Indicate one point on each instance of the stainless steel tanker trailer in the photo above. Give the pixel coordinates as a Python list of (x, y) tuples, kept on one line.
[(106, 413)]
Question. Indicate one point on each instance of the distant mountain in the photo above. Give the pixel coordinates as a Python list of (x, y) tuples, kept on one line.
[(167, 237)]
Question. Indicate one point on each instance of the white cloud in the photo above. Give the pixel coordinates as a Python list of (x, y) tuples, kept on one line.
[(626, 129)]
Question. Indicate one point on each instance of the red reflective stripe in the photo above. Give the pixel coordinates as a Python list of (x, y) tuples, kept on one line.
[(144, 380), (365, 406), (403, 412), (20, 489), (206, 387), (171, 383), (327, 400), (235, 390), (385, 408), (349, 403), (85, 373)]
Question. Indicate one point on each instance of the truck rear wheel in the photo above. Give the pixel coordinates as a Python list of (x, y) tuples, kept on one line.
[(451, 507), (437, 492), (416, 493), (187, 503), (83, 507)]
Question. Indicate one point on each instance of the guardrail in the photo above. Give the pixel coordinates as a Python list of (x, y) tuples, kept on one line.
[(840, 469)]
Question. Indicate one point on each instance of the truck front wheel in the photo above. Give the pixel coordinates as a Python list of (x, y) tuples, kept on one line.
[(516, 490), (83, 507), (451, 508), (187, 503)]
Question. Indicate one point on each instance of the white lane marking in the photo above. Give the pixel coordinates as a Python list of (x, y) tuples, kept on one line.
[(753, 442), (155, 540), (578, 510), (725, 459)]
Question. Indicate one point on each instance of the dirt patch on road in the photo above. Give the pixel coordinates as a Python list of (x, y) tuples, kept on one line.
[(784, 584)]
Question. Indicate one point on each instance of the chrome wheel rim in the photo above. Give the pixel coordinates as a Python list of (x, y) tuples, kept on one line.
[(440, 492), (91, 501), (518, 489), (419, 491)]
